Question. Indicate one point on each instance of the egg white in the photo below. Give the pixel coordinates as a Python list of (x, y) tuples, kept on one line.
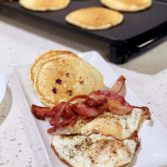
[(121, 127), (94, 150)]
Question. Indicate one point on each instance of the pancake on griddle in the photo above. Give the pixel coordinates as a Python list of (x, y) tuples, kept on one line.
[(127, 5), (94, 18), (44, 5), (63, 75)]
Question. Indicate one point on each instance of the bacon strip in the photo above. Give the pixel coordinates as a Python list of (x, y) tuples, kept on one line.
[(119, 86), (59, 109), (85, 111), (88, 106), (115, 103), (41, 112), (95, 101)]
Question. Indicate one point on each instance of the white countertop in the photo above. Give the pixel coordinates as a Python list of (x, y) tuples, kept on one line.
[(23, 39)]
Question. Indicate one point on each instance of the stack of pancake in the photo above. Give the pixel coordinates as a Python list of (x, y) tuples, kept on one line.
[(61, 75)]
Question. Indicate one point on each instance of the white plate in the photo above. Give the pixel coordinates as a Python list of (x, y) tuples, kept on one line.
[(2, 88), (153, 152)]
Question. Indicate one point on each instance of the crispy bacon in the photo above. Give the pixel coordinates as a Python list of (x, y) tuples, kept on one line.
[(119, 86), (59, 109), (116, 107), (68, 111), (88, 106), (52, 129), (95, 101), (68, 121), (85, 111), (115, 103), (41, 112)]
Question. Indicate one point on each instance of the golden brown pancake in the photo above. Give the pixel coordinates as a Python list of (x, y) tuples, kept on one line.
[(62, 76), (94, 18), (127, 5), (46, 56), (44, 5)]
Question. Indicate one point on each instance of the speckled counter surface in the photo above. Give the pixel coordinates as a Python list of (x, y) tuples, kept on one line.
[(18, 144), (23, 39)]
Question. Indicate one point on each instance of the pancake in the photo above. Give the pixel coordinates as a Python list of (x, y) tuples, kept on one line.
[(41, 59), (63, 76), (127, 5), (94, 18), (44, 5)]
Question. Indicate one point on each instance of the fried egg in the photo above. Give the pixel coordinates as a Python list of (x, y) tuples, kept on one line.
[(94, 150), (121, 127)]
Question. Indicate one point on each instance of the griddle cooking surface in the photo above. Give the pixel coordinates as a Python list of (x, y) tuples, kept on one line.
[(135, 27)]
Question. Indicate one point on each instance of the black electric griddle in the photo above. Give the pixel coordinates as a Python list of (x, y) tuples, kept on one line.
[(137, 32)]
